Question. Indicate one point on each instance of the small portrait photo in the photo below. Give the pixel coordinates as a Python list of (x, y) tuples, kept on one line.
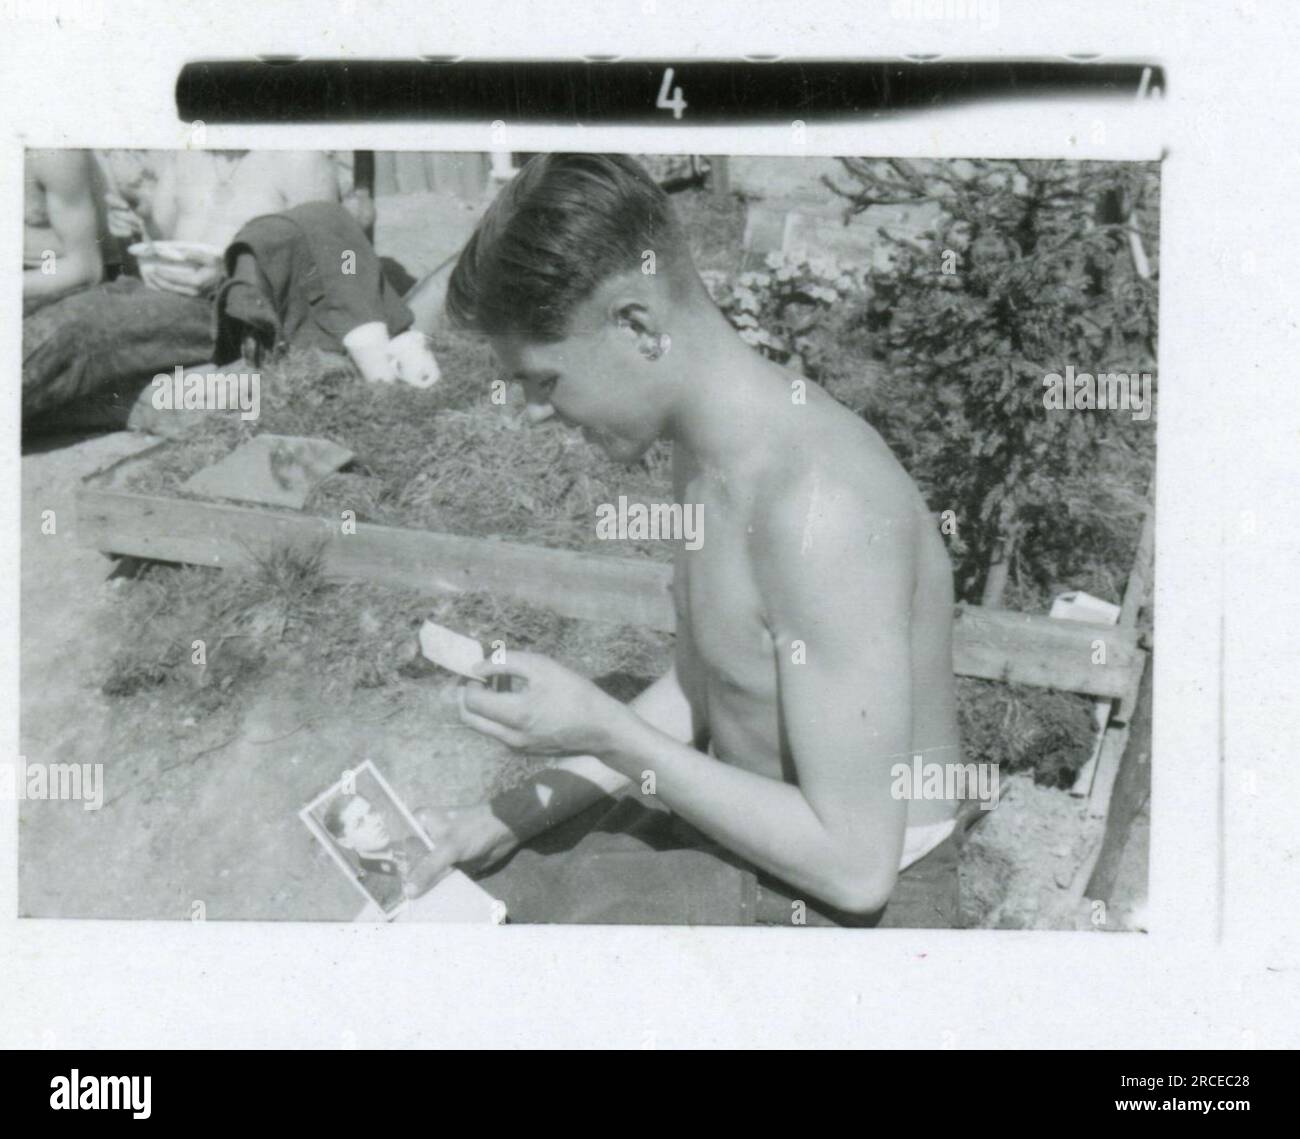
[(370, 834)]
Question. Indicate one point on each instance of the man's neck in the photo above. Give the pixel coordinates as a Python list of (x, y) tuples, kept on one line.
[(728, 397)]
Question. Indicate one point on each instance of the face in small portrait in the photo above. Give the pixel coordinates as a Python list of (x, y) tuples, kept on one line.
[(355, 825)]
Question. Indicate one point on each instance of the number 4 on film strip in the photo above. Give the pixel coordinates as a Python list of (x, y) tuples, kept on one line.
[(675, 102)]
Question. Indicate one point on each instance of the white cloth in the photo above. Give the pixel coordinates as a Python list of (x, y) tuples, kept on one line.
[(919, 840)]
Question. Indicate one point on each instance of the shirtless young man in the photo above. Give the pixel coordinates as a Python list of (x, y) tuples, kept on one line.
[(61, 227), (207, 196), (814, 624)]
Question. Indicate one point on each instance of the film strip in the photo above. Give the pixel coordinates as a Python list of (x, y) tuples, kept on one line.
[(604, 90)]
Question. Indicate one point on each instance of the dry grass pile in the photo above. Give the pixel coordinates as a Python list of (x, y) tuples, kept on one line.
[(1023, 728), (446, 459)]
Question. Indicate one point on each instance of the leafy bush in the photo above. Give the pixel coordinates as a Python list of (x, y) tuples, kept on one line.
[(1031, 267), (779, 309)]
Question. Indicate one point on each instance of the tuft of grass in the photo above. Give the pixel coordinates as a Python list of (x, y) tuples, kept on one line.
[(208, 632), (286, 575), (1025, 729)]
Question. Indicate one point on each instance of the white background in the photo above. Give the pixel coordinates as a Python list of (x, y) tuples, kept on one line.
[(1219, 968)]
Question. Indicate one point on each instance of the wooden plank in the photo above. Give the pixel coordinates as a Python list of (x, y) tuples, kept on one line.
[(1140, 583), (363, 171), (409, 168), (1087, 774), (1097, 776), (1131, 792), (991, 644), (221, 534), (385, 172), (1020, 648), (1140, 577), (720, 175), (1113, 742)]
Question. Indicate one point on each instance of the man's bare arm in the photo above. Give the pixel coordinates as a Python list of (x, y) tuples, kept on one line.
[(576, 782), (481, 836), (65, 179), (162, 211)]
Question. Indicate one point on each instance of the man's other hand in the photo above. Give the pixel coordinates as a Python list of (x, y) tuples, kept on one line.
[(472, 838), (556, 712)]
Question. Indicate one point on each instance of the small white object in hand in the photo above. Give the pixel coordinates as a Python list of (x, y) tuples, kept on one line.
[(452, 651)]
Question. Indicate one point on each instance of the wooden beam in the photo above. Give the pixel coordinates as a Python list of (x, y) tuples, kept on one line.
[(720, 175), (1131, 791), (385, 172), (412, 177), (1136, 592), (625, 590), (990, 644), (1021, 648), (1097, 776)]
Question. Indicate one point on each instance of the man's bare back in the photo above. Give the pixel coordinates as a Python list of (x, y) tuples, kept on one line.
[(726, 649), (209, 195)]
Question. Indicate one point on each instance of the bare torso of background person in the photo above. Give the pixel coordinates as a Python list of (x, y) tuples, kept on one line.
[(207, 196)]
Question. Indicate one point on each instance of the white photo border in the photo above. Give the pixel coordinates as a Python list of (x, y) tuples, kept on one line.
[(1221, 967)]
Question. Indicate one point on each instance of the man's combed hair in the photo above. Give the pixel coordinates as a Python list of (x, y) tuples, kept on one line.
[(333, 819), (560, 227)]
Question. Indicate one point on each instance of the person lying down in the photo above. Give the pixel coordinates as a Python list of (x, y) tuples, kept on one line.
[(756, 781)]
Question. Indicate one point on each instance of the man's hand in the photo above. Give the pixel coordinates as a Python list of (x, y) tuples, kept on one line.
[(123, 221), (557, 713), (472, 838)]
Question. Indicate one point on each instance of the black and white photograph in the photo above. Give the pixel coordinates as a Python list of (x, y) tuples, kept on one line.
[(370, 835), (807, 502), (764, 515)]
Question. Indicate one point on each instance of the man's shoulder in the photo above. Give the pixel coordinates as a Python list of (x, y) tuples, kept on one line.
[(824, 497), (60, 169), (830, 518)]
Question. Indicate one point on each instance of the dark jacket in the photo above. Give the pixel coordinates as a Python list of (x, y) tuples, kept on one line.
[(302, 278)]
